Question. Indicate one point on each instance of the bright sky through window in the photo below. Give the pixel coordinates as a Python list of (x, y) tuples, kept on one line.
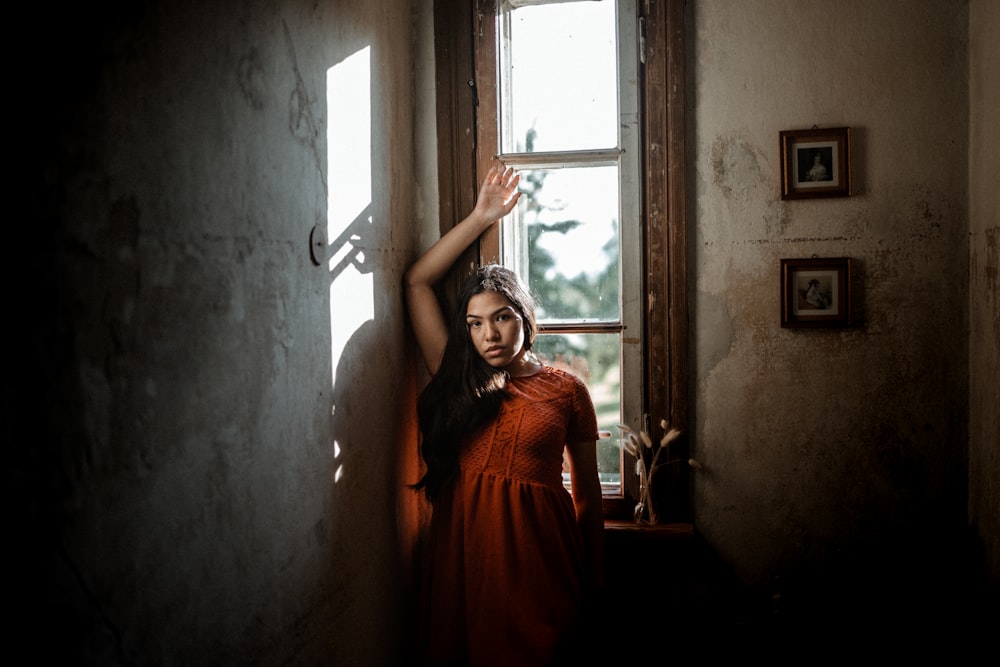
[(563, 87), (564, 75)]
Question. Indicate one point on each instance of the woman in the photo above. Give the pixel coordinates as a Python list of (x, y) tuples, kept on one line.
[(511, 556), (818, 171)]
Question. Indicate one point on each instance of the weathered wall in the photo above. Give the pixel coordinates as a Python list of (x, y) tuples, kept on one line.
[(984, 280), (174, 428), (829, 452), (193, 488)]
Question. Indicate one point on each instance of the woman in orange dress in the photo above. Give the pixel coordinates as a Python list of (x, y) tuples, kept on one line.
[(511, 556)]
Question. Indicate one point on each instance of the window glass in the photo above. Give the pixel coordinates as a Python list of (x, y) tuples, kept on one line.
[(561, 77), (570, 217)]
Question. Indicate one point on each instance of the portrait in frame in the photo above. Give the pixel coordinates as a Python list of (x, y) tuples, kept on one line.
[(816, 292), (815, 163)]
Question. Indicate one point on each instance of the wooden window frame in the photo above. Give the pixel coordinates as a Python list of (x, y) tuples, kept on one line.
[(466, 126)]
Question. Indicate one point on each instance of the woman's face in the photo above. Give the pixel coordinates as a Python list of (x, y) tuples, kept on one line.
[(495, 328)]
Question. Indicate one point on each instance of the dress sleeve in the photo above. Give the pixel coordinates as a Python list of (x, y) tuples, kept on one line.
[(583, 421)]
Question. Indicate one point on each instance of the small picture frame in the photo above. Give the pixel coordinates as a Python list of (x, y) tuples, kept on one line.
[(815, 163), (816, 292)]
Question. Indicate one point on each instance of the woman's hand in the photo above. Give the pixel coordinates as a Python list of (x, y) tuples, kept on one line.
[(498, 194)]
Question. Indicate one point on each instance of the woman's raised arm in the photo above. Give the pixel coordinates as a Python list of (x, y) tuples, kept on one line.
[(497, 197)]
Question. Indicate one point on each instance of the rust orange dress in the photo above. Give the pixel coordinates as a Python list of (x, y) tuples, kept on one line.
[(504, 570)]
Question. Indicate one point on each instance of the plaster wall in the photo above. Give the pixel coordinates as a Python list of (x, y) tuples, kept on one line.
[(205, 482), (984, 281), (198, 477), (827, 448)]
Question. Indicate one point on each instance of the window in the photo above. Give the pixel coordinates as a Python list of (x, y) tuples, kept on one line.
[(574, 95), (567, 107)]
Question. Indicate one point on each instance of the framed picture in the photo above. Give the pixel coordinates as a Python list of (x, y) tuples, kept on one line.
[(816, 163), (816, 292)]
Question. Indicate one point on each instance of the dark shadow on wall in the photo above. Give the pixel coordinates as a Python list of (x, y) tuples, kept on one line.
[(370, 559), (370, 572)]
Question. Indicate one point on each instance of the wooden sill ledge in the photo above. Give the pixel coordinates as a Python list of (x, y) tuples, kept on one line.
[(665, 531)]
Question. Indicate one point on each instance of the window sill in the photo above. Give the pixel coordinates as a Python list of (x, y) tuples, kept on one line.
[(668, 532)]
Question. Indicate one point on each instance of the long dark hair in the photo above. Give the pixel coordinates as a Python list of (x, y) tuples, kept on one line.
[(466, 392)]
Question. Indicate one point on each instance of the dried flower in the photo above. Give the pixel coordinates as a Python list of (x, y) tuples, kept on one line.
[(669, 436), (644, 510), (646, 440)]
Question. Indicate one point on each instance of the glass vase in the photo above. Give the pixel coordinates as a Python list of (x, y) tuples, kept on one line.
[(644, 512)]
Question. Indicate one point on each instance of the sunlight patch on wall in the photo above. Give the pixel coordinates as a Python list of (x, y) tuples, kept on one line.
[(349, 221)]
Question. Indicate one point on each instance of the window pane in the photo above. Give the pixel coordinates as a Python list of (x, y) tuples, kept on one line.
[(570, 245), (562, 82), (595, 359)]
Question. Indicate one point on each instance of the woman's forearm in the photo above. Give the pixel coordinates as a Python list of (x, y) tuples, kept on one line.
[(497, 197), (432, 266), (592, 525)]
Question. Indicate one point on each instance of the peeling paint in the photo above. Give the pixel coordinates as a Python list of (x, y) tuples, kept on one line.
[(735, 167)]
